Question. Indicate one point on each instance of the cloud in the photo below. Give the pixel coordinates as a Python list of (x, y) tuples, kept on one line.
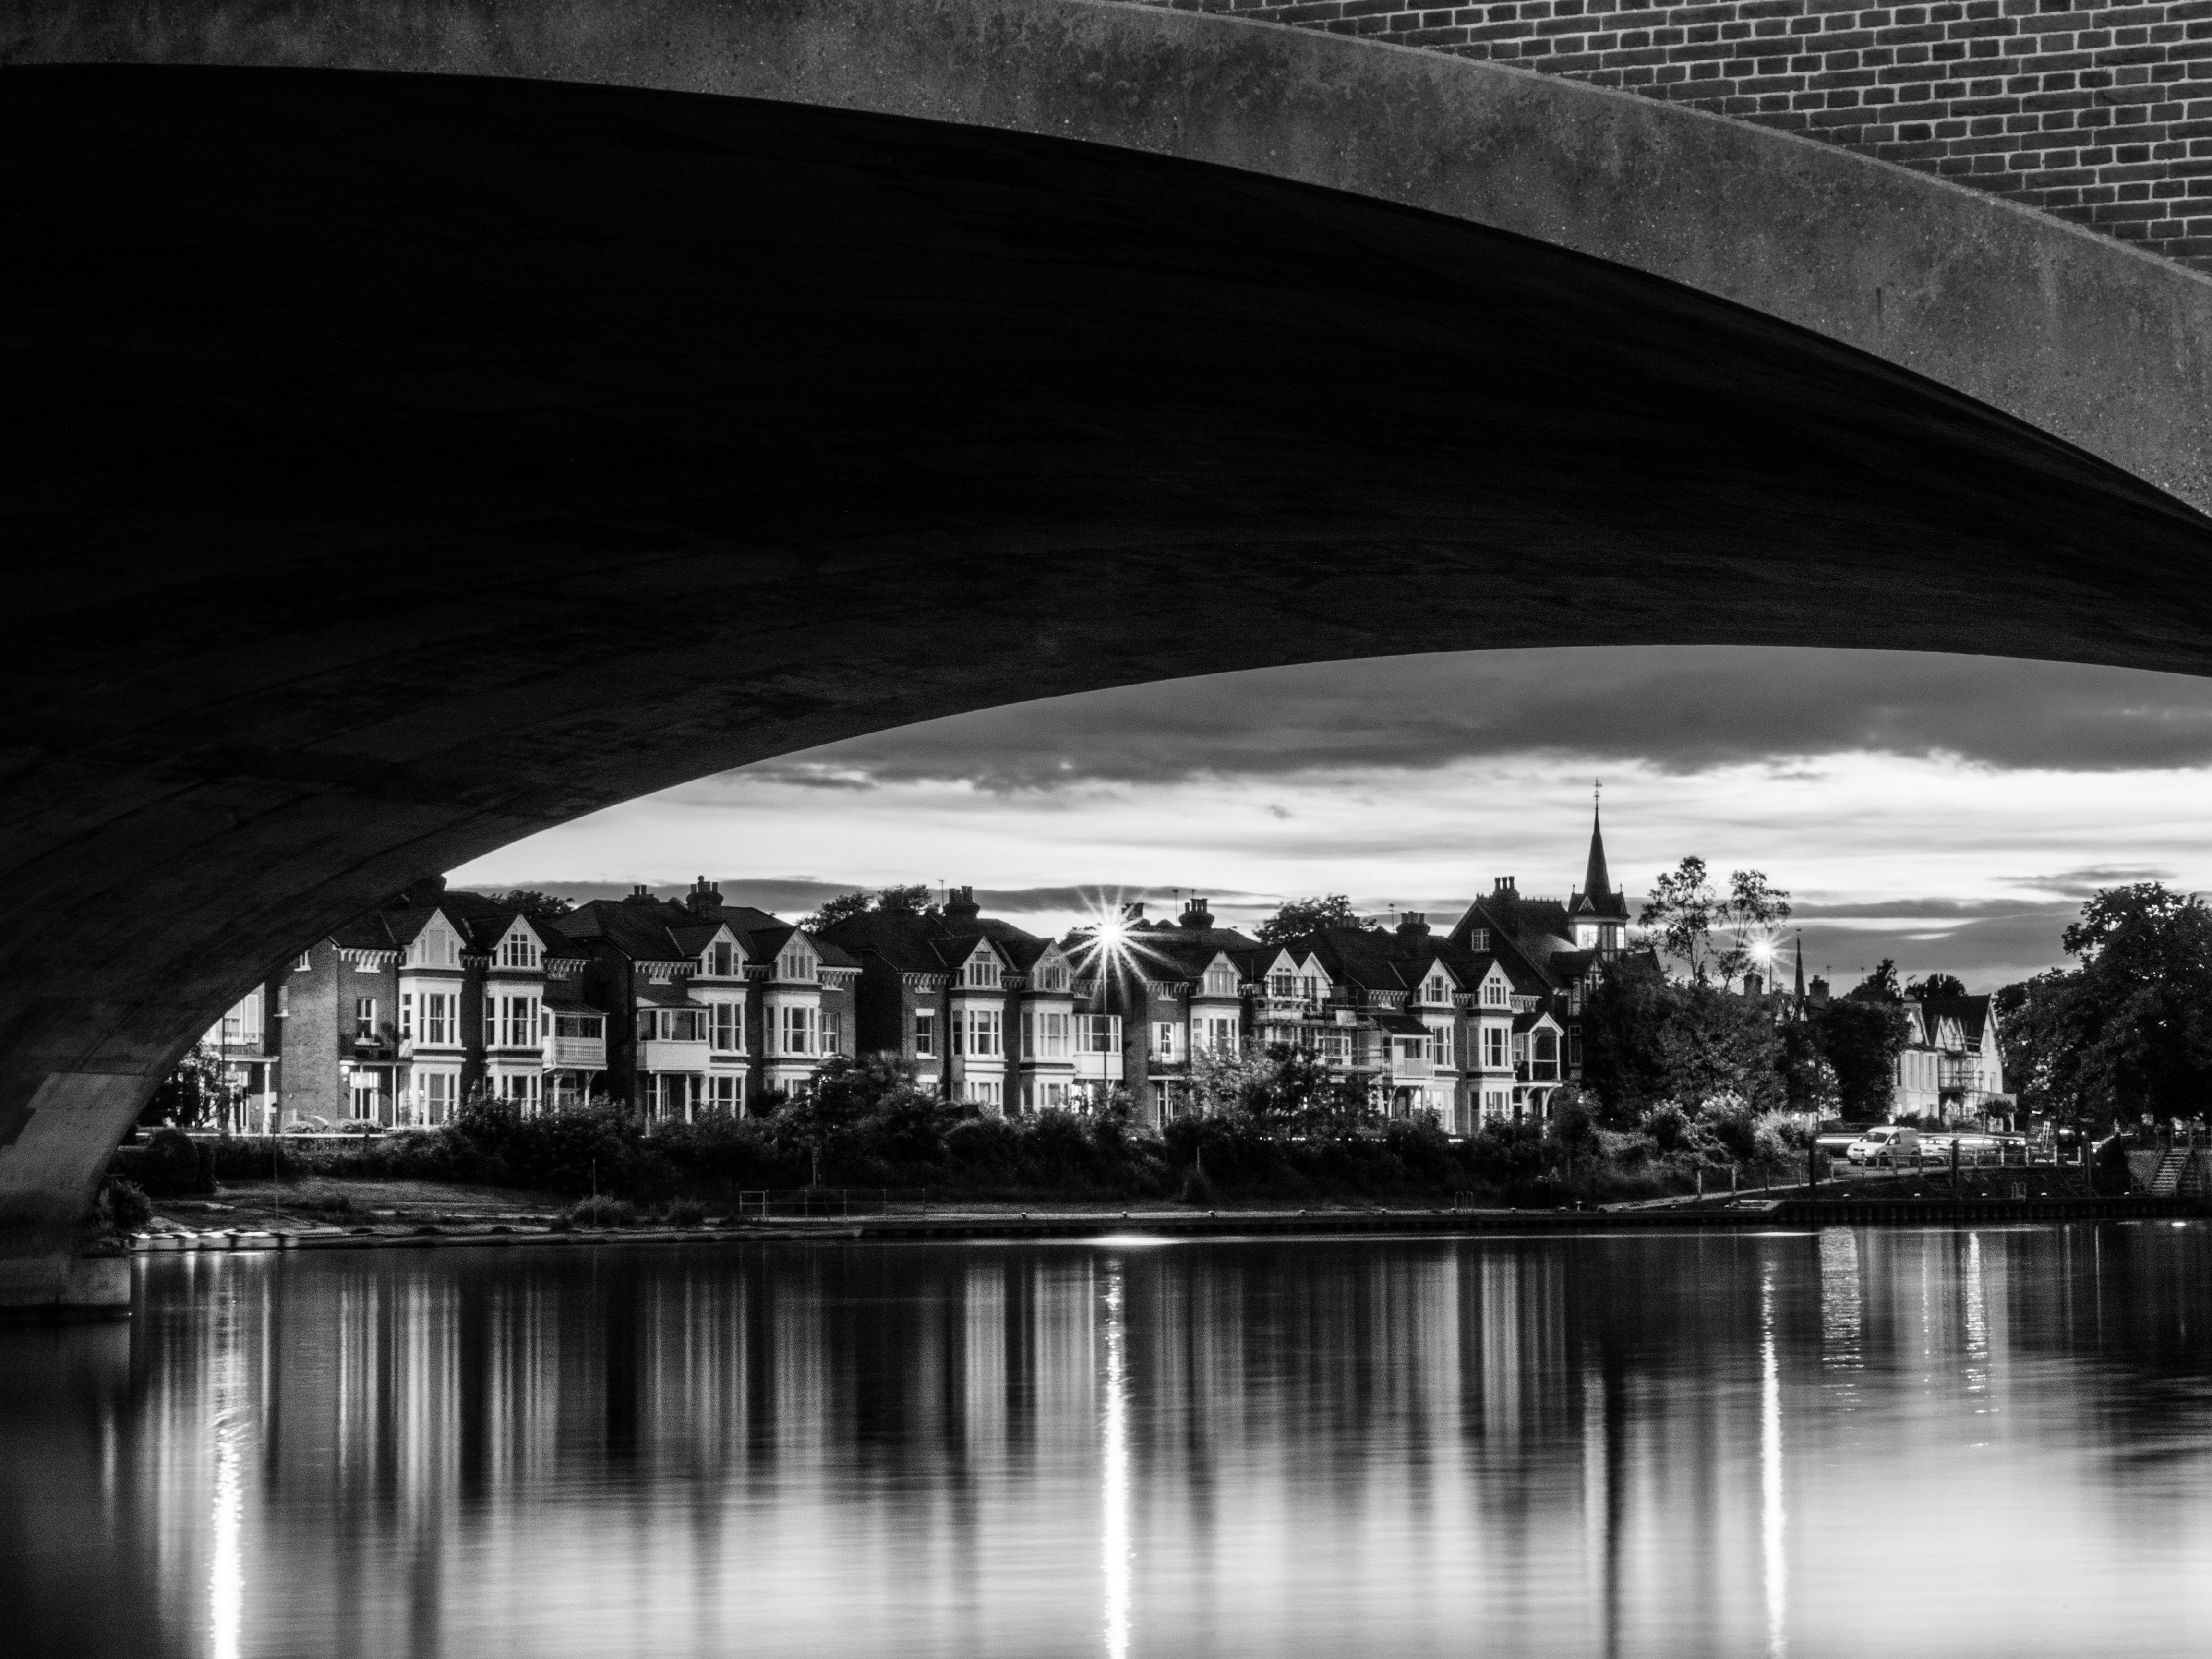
[(1681, 709)]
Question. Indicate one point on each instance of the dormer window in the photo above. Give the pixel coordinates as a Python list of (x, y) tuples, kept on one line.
[(797, 964), (721, 959), (517, 950), (1436, 991), (438, 948), (1221, 981), (1285, 985), (1052, 975), (983, 970), (1493, 994), (1478, 938)]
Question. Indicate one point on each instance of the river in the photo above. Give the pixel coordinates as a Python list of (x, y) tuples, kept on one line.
[(1848, 1441)]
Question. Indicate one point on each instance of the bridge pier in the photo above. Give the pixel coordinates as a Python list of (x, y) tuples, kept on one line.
[(56, 1137)]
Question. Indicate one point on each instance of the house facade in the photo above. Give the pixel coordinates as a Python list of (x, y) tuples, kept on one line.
[(985, 1011), (1950, 1068), (710, 1007)]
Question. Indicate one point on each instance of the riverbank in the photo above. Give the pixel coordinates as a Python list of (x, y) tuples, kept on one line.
[(241, 1228)]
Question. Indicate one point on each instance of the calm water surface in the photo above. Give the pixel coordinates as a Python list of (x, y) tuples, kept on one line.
[(1842, 1443)]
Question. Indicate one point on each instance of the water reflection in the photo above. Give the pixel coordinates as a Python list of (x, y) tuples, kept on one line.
[(1893, 1442)]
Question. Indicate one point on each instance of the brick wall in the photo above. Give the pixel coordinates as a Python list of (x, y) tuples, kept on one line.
[(2100, 117)]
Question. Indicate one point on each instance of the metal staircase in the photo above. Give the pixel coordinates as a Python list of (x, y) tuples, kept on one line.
[(2172, 1165)]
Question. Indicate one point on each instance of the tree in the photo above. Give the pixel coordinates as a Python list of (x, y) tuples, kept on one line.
[(1935, 985), (1685, 914), (534, 904), (196, 1093), (1647, 1039), (911, 901), (1860, 1038), (1281, 1089), (1299, 917), (1679, 917), (1879, 986), (2133, 1023)]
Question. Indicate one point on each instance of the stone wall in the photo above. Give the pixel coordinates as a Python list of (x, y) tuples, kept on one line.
[(2100, 117)]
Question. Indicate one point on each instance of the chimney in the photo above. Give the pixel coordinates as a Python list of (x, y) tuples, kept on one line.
[(1195, 915), (703, 897), (640, 894), (1505, 884), (1414, 924), (960, 904)]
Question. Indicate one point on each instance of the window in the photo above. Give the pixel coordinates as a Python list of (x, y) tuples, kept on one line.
[(1285, 985), (1441, 1038), (1221, 981), (1053, 1029), (983, 1091), (925, 1034), (1493, 993), (1052, 974), (726, 1092), (683, 1024), (364, 1019), (514, 1020), (1099, 1034), (440, 1094), (438, 948), (1574, 1047), (520, 1090), (1163, 1041), (729, 1033), (833, 1031), (1218, 1034), (283, 1001), (721, 959), (1029, 1041), (795, 1028), (796, 964), (983, 969), (981, 1028), (439, 1021), (407, 1016), (1437, 991), (1478, 938), (517, 950)]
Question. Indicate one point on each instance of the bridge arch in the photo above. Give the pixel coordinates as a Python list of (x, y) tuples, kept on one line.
[(590, 397)]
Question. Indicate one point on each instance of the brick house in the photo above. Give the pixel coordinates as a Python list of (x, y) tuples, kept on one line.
[(711, 1007), (984, 1010)]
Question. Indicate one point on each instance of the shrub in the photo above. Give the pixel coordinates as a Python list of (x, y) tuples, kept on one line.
[(604, 1212), (127, 1210), (171, 1165), (1197, 1190), (686, 1212)]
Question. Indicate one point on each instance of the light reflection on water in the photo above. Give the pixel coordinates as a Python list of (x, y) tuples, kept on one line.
[(1853, 1443)]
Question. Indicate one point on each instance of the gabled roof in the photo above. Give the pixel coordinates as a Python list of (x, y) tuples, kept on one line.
[(909, 944), (1972, 1014)]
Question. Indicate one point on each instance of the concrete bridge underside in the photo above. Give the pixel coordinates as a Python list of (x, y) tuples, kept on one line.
[(400, 462)]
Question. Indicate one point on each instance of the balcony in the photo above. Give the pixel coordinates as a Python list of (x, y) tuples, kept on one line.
[(669, 1054), (1096, 1067), (1400, 1066), (570, 1054)]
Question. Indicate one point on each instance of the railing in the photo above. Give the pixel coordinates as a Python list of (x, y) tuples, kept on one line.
[(575, 1054), (1098, 1068), (832, 1203), (670, 1055)]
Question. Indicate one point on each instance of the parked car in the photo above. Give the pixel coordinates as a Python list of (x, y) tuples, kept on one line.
[(1885, 1143)]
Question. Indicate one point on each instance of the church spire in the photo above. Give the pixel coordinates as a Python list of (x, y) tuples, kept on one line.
[(1597, 885)]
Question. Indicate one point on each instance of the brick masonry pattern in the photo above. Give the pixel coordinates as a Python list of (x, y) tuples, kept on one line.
[(2103, 117)]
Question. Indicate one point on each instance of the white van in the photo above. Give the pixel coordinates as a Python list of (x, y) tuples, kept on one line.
[(1885, 1143)]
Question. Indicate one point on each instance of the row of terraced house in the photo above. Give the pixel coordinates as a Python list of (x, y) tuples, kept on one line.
[(679, 1007)]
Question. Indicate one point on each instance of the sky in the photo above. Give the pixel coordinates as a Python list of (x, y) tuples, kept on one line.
[(1949, 812)]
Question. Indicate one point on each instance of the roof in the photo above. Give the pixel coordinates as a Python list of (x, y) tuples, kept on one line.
[(907, 942), (1972, 1014)]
